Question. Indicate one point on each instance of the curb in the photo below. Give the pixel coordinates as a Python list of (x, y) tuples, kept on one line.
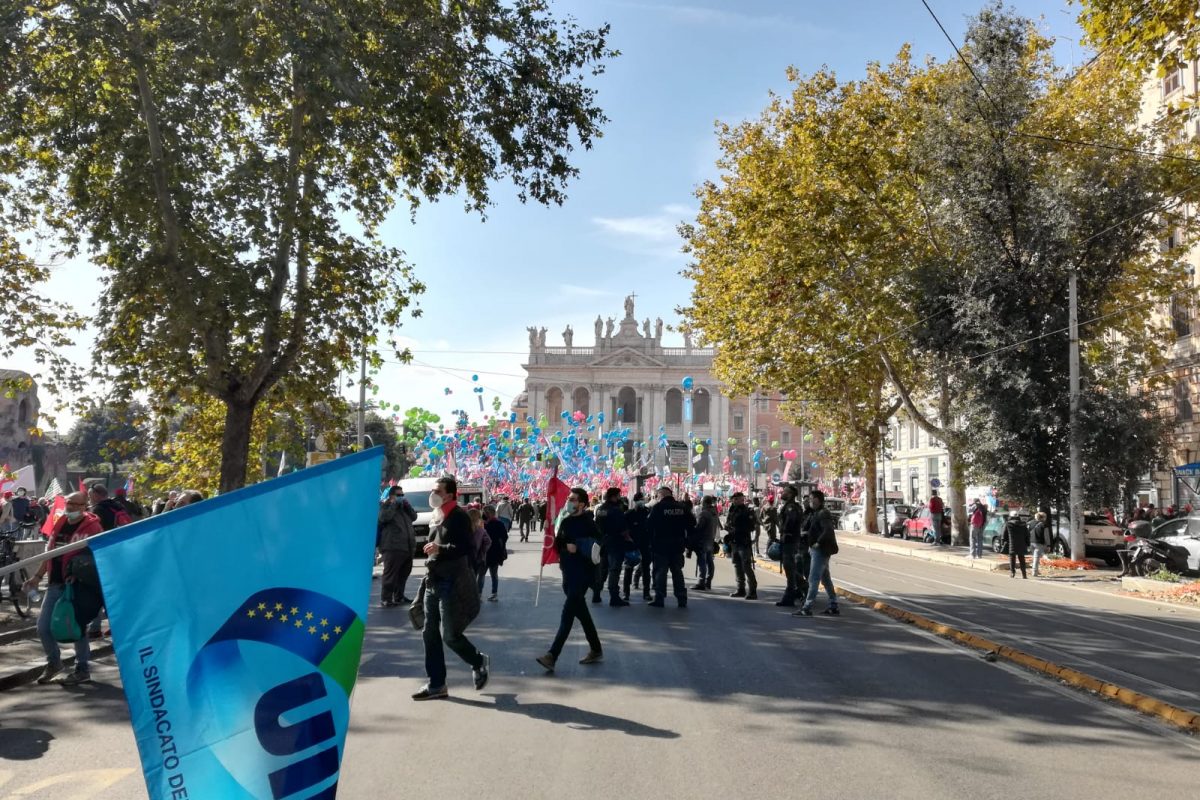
[(17, 635), (29, 673), (1180, 717)]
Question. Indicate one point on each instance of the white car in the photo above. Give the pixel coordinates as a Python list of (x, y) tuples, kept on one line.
[(1182, 532), (853, 519)]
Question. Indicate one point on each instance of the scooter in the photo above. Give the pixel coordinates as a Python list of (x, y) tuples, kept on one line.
[(1142, 557)]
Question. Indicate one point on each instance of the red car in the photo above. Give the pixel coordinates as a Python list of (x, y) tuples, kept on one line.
[(919, 527)]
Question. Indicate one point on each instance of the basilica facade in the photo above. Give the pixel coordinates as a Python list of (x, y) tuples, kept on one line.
[(630, 375)]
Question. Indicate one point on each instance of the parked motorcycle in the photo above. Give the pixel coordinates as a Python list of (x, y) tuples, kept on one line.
[(1142, 557)]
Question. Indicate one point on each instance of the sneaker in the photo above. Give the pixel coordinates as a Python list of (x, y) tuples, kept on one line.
[(804, 612), (786, 604), (832, 611), (699, 587), (752, 596), (656, 604), (481, 673), (617, 603), (428, 693), (404, 601), (386, 604), (547, 661), (738, 593), (492, 599), (76, 678), (592, 658), (49, 672)]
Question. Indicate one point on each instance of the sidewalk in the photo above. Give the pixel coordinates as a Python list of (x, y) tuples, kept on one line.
[(949, 554)]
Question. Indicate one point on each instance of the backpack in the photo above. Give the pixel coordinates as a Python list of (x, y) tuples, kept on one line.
[(121, 517)]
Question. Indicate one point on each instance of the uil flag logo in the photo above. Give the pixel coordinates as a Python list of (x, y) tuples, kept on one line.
[(238, 624)]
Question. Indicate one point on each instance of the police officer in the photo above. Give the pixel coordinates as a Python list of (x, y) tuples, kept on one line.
[(791, 536), (671, 525), (639, 531), (610, 517), (740, 524)]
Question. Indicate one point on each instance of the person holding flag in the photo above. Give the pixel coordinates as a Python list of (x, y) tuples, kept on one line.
[(576, 536)]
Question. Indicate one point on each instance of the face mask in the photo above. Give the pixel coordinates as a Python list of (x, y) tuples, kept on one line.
[(571, 506), (74, 516), (435, 500), (640, 503)]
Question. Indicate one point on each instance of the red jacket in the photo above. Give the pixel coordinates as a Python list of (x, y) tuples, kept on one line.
[(88, 526), (935, 505)]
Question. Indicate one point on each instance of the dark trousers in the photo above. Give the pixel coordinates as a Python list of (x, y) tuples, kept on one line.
[(641, 572), (526, 527), (743, 568), (599, 573), (787, 559), (673, 563), (575, 607), (439, 630), (616, 560), (1012, 563), (397, 566)]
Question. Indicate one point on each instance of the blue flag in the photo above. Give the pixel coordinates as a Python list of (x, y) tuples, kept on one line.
[(238, 624)]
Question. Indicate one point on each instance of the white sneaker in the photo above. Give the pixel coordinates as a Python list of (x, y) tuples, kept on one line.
[(492, 599)]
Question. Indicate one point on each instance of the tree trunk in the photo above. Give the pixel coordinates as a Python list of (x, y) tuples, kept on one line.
[(957, 501), (235, 445), (870, 493)]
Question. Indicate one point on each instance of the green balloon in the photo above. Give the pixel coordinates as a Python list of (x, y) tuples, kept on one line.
[(731, 440), (699, 448)]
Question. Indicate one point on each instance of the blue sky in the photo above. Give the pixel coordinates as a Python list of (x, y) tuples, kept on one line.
[(684, 65)]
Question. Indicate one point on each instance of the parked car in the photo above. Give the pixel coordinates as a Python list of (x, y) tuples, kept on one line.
[(893, 523), (993, 529), (853, 519), (836, 506), (1101, 538), (416, 492), (920, 525), (1182, 532)]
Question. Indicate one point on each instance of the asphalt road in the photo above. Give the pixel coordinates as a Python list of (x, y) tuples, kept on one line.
[(727, 698)]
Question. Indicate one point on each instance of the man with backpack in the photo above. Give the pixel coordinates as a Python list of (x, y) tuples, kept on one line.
[(111, 513)]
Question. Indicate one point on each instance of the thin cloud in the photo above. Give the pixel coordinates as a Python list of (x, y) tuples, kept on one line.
[(706, 16), (573, 290), (654, 234)]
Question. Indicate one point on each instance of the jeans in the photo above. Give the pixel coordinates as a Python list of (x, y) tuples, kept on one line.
[(49, 645), (976, 542), (438, 630), (616, 560), (1039, 550), (819, 576), (526, 527), (397, 566), (707, 565), (575, 607), (673, 563), (743, 567), (935, 525)]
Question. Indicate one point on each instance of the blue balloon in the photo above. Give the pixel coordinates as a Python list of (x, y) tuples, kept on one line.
[(662, 428), (565, 415), (688, 383), (512, 417), (600, 417)]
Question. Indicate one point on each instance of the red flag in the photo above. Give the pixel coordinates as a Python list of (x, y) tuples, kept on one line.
[(82, 486), (57, 510), (557, 493)]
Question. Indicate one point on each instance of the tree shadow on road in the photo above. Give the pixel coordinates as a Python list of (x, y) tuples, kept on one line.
[(576, 718), (24, 744)]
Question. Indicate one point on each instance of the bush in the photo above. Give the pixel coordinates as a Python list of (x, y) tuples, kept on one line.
[(1165, 575)]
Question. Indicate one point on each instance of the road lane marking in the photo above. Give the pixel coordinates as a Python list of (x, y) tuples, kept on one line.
[(84, 784)]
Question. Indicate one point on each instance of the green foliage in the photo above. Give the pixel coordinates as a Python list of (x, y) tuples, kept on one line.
[(210, 154), (1166, 576), (1143, 34), (109, 434)]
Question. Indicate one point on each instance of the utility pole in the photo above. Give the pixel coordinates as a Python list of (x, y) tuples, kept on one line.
[(362, 397), (1075, 502)]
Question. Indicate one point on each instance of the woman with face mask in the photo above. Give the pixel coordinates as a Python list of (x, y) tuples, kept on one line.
[(77, 523), (576, 532)]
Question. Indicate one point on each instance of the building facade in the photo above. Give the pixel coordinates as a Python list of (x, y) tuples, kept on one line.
[(912, 464), (19, 408)]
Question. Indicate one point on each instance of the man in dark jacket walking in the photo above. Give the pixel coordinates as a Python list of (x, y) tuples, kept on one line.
[(573, 541), (671, 525), (822, 544), (525, 514), (639, 532), (610, 518), (451, 597), (740, 522), (791, 540), (398, 545)]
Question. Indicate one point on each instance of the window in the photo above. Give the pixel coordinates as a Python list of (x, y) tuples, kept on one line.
[(1172, 83), (582, 399), (896, 439), (762, 404), (626, 405), (1183, 401), (739, 421), (554, 404), (1181, 315), (914, 436), (933, 467), (895, 476), (674, 407), (23, 412), (785, 437), (701, 407)]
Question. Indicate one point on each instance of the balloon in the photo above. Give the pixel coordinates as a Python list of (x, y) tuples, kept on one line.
[(774, 444), (600, 418), (754, 442), (565, 415), (447, 390), (808, 437), (662, 428), (688, 383), (731, 440), (699, 448), (813, 465), (474, 377)]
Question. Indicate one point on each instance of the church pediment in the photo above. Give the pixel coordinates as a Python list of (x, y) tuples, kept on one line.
[(625, 357)]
